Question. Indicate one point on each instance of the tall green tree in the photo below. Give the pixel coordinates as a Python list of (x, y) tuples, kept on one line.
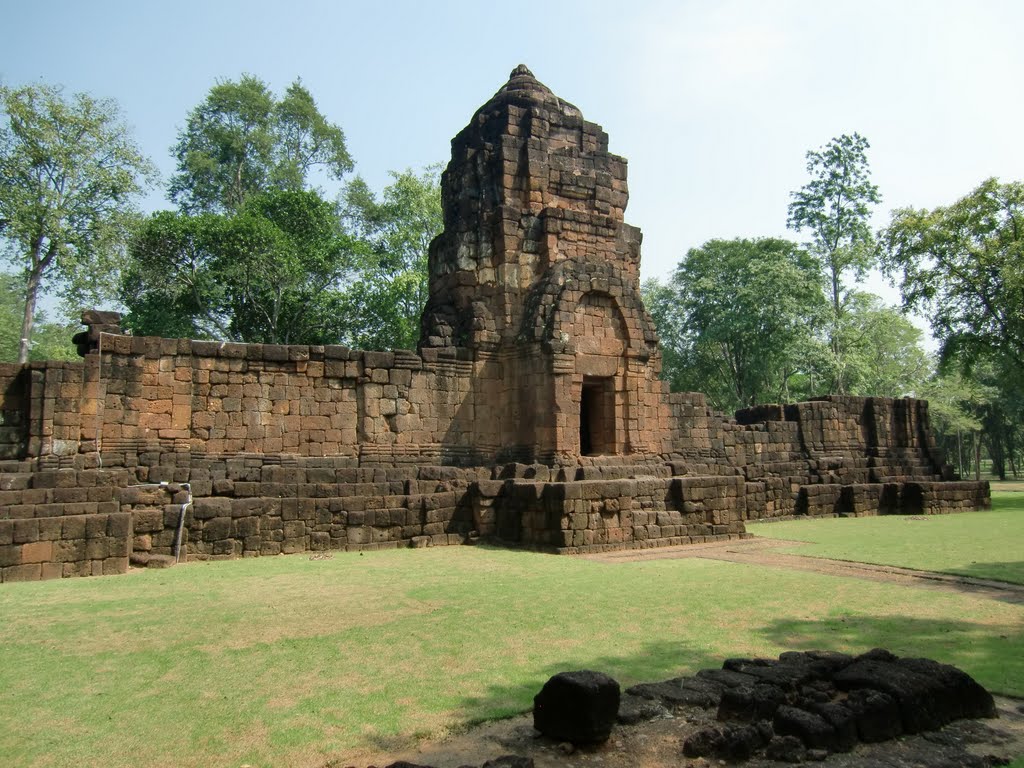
[(955, 404), (242, 140), (70, 176), (834, 207), (270, 272), (741, 319), (1001, 418), (884, 356), (382, 305), (662, 303), (962, 266)]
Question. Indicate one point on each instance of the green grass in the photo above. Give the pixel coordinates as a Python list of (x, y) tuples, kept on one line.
[(291, 662), (984, 544)]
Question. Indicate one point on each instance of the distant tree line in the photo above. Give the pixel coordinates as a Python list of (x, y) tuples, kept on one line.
[(750, 321), (252, 251)]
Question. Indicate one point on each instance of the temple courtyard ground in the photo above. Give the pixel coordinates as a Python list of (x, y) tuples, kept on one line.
[(351, 659)]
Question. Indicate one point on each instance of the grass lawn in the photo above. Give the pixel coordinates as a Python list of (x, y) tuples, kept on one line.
[(288, 661), (984, 544)]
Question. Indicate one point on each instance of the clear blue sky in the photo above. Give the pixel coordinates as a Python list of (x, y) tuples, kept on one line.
[(713, 103)]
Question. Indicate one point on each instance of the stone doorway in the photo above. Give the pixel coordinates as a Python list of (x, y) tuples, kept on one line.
[(597, 416)]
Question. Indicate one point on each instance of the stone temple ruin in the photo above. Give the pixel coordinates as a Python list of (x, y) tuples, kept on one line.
[(531, 414)]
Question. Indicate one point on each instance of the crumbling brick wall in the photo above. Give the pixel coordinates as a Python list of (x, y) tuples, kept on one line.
[(599, 515), (58, 523), (13, 411)]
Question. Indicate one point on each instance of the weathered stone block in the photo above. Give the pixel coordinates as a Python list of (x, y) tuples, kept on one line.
[(217, 529), (578, 707), (10, 554), (206, 508), (148, 520), (31, 572), (37, 552)]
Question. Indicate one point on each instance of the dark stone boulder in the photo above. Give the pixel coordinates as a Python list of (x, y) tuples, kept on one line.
[(929, 695), (740, 742), (578, 707), (731, 742), (725, 678), (704, 743), (637, 709), (813, 730), (829, 662), (876, 713), (750, 703), (681, 691), (916, 695), (843, 722), (964, 697), (818, 690), (786, 749), (790, 672)]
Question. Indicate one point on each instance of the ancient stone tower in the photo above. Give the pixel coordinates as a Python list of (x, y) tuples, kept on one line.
[(531, 413), (537, 275)]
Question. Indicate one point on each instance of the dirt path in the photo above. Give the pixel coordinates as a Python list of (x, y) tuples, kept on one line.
[(763, 551)]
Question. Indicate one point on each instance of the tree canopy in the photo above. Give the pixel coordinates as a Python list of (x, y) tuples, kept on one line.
[(242, 140), (70, 175), (884, 357), (382, 306), (962, 266), (253, 253), (270, 272), (835, 208), (737, 319)]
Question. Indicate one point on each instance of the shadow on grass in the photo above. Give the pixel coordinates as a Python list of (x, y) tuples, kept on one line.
[(992, 653), (1006, 500), (1010, 572), (656, 661)]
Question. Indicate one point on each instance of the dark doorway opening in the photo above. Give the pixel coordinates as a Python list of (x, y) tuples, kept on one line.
[(597, 416)]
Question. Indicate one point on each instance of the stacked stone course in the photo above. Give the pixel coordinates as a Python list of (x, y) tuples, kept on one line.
[(56, 523), (532, 412)]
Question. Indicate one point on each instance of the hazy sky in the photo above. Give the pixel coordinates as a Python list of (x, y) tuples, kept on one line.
[(714, 104)]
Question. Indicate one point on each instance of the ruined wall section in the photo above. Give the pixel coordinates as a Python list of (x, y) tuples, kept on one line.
[(41, 410), (832, 455), (135, 395), (139, 395), (60, 523), (13, 411), (603, 515), (210, 398), (68, 522)]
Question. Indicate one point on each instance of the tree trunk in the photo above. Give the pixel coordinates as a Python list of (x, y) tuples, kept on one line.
[(838, 386), (977, 456), (960, 453), (28, 318), (39, 262)]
